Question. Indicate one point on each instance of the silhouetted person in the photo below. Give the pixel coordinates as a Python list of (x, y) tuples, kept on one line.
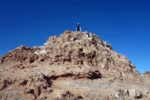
[(78, 27)]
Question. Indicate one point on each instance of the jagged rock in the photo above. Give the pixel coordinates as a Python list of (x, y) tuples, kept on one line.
[(73, 66)]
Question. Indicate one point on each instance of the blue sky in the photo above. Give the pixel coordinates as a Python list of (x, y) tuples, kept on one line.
[(125, 24)]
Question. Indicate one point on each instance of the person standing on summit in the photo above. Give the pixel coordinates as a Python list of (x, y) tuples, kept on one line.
[(78, 27)]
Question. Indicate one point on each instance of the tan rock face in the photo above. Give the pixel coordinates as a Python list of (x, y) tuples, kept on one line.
[(79, 56), (74, 48)]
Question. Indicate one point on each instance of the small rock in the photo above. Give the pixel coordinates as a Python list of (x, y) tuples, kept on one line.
[(3, 85), (32, 96), (37, 90), (10, 88), (23, 82), (28, 90), (43, 97), (49, 90), (138, 95), (1, 70)]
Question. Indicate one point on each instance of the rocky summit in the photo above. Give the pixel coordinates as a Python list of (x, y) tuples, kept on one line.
[(74, 66)]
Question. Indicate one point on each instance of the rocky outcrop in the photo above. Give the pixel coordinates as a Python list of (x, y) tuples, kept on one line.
[(147, 74), (74, 48), (65, 65)]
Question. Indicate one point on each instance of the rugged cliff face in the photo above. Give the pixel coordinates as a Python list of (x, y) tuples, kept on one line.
[(69, 67)]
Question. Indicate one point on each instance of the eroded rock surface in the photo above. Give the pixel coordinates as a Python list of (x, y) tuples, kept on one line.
[(73, 66)]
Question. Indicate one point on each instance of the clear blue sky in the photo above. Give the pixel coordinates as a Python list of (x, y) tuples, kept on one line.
[(125, 24)]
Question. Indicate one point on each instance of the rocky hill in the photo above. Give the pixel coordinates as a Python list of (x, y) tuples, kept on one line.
[(73, 66)]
